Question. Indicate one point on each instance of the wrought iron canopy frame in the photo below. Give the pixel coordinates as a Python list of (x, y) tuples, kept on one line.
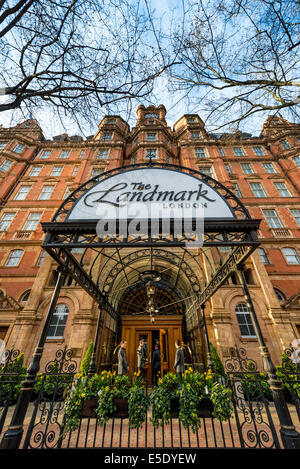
[(63, 236)]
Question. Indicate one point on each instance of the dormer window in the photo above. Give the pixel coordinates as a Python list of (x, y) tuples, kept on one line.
[(191, 120), (150, 114), (195, 134), (111, 121)]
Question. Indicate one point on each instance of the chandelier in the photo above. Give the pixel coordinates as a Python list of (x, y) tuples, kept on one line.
[(149, 277)]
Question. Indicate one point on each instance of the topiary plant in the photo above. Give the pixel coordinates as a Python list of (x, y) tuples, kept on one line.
[(217, 363), (85, 364)]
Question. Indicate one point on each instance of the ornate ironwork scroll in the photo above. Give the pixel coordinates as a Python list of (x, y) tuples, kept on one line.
[(250, 400), (10, 376), (45, 427)]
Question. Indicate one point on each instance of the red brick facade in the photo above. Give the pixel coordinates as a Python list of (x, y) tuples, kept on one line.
[(36, 174)]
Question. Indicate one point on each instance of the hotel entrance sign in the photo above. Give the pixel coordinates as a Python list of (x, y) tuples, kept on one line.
[(151, 193)]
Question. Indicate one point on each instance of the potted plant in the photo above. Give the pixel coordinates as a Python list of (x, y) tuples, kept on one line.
[(123, 400), (196, 395), (164, 400), (82, 398)]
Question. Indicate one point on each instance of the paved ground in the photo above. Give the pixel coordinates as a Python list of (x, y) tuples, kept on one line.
[(117, 433)]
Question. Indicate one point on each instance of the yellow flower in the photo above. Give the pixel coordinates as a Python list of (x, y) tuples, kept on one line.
[(107, 388), (83, 395), (134, 373)]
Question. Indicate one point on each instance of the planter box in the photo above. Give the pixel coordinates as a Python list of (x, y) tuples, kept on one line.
[(205, 408), (174, 408), (121, 408), (88, 408)]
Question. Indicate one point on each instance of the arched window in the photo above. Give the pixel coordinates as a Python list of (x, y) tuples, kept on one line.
[(25, 296), (14, 258), (244, 320), (58, 322), (280, 295)]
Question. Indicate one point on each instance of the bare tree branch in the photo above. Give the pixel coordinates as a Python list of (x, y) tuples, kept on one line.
[(246, 52)]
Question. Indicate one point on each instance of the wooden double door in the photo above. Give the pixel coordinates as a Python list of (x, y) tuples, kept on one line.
[(163, 332)]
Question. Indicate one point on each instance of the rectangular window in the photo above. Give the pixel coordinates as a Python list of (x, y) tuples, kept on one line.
[(45, 154), (136, 141), (291, 256), (22, 193), (296, 215), (247, 168), (200, 152), (151, 137), (102, 154), (257, 189), (107, 136), (297, 161), (191, 120), (269, 168), (46, 193), (6, 220), (41, 258), (75, 171), (244, 320), (285, 144), (221, 151), (282, 189), (2, 145), (6, 165), (237, 190), (32, 221), (67, 193), (228, 168), (258, 151), (111, 121), (35, 171), (195, 134), (58, 322), (56, 171), (238, 151), (96, 172), (14, 258), (65, 154), (81, 154), (263, 256), (19, 148), (272, 219), (206, 170), (151, 154)]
